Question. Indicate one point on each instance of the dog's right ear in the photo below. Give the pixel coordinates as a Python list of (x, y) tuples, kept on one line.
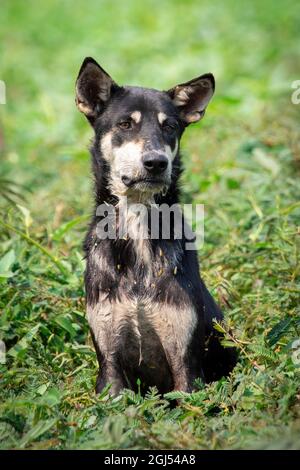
[(93, 88)]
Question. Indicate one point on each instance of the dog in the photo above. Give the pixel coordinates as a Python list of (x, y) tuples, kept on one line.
[(149, 311)]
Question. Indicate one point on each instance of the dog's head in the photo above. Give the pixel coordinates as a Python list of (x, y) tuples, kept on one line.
[(138, 129)]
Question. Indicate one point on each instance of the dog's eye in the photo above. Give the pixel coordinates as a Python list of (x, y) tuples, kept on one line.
[(169, 128), (126, 124)]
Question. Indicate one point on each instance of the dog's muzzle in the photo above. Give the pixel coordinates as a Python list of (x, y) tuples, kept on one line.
[(153, 172), (155, 163)]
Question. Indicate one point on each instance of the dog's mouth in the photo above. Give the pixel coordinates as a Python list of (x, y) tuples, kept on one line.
[(147, 181)]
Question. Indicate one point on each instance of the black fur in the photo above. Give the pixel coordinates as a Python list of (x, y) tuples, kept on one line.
[(121, 272)]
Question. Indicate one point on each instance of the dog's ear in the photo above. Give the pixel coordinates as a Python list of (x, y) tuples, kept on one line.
[(191, 98), (93, 88)]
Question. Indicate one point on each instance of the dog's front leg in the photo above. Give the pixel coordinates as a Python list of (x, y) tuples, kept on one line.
[(185, 368), (177, 329), (105, 338), (180, 371), (109, 374)]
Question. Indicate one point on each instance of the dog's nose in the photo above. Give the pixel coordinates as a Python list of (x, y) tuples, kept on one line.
[(155, 164)]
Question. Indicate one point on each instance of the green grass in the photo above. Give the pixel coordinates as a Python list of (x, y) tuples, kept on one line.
[(242, 162)]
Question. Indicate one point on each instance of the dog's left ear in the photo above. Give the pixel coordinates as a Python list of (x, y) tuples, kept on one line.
[(93, 88), (191, 98)]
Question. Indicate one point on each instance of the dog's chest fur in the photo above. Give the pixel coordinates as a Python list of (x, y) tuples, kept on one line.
[(133, 308)]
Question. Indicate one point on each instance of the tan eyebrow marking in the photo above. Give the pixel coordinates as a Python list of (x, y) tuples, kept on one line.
[(161, 117), (136, 116)]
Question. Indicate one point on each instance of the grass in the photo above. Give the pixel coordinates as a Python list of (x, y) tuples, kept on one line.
[(242, 162)]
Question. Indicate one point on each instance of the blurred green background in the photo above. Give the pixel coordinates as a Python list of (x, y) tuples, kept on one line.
[(242, 162), (251, 47)]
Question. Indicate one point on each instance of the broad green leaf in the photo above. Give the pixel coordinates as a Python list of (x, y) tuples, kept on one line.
[(64, 228), (42, 389), (65, 322), (266, 161), (279, 330), (217, 326), (40, 428), (52, 397), (5, 264), (26, 214), (232, 183), (227, 344), (24, 342)]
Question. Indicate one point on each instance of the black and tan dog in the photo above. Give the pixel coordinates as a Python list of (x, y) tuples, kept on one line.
[(150, 314)]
